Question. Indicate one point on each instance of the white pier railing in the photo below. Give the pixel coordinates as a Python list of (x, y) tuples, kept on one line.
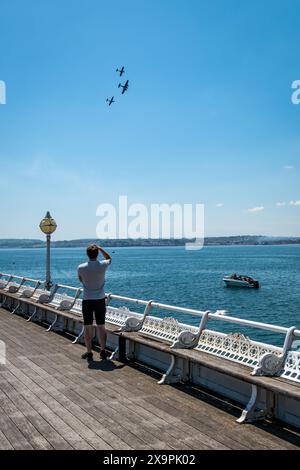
[(263, 358)]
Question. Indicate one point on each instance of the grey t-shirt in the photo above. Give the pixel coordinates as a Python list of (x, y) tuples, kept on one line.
[(92, 276)]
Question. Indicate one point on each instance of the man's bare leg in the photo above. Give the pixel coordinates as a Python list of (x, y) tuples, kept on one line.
[(88, 337), (102, 336)]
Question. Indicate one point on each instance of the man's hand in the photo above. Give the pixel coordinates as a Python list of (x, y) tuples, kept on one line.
[(104, 253)]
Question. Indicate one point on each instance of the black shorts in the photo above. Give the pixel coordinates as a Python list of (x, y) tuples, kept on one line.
[(89, 307)]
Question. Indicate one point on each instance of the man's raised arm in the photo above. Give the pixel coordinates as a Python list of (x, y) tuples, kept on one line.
[(105, 254)]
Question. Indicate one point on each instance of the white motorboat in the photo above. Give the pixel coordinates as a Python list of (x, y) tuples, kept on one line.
[(236, 280)]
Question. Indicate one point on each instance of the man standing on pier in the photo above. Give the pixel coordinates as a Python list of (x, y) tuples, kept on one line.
[(92, 277)]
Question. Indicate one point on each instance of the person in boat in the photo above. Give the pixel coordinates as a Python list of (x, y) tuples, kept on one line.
[(92, 276)]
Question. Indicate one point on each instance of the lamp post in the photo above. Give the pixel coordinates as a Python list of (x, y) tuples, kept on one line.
[(48, 226)]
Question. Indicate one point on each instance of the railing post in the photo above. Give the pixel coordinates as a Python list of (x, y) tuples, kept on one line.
[(187, 339), (270, 364), (135, 324)]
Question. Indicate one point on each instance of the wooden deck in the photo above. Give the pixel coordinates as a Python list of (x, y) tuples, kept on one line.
[(51, 399)]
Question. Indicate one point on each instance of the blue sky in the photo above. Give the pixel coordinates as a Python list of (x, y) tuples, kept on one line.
[(208, 117)]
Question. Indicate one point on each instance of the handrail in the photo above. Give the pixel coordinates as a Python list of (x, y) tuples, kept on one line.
[(14, 276), (28, 279), (215, 316), (197, 313), (9, 276), (6, 275), (65, 304), (63, 286)]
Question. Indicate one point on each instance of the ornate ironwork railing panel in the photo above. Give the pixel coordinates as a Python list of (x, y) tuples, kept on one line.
[(235, 347), (292, 366)]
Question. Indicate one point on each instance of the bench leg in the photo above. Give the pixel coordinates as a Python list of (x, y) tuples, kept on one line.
[(79, 336), (32, 315), (21, 308), (119, 354), (115, 354), (170, 377), (53, 323), (16, 307), (10, 307), (251, 413)]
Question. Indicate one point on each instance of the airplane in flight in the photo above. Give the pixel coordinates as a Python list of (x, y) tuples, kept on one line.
[(121, 71), (110, 101), (125, 86)]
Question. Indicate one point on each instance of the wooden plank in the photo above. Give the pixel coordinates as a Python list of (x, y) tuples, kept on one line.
[(156, 431), (238, 436), (36, 440), (166, 407), (231, 441), (48, 367), (60, 396), (118, 443), (115, 426), (90, 406), (76, 423), (209, 411), (4, 442), (85, 404), (42, 363), (110, 389), (106, 405), (13, 434), (54, 419), (241, 435), (56, 441)]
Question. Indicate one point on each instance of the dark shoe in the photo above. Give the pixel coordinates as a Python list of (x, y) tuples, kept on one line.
[(103, 354), (88, 356)]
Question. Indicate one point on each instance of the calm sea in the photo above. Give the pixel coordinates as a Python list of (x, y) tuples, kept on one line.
[(188, 278)]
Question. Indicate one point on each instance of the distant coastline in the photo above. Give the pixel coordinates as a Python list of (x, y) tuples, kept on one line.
[(209, 241)]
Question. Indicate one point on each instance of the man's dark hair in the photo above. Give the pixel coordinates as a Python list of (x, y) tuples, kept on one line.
[(92, 251)]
